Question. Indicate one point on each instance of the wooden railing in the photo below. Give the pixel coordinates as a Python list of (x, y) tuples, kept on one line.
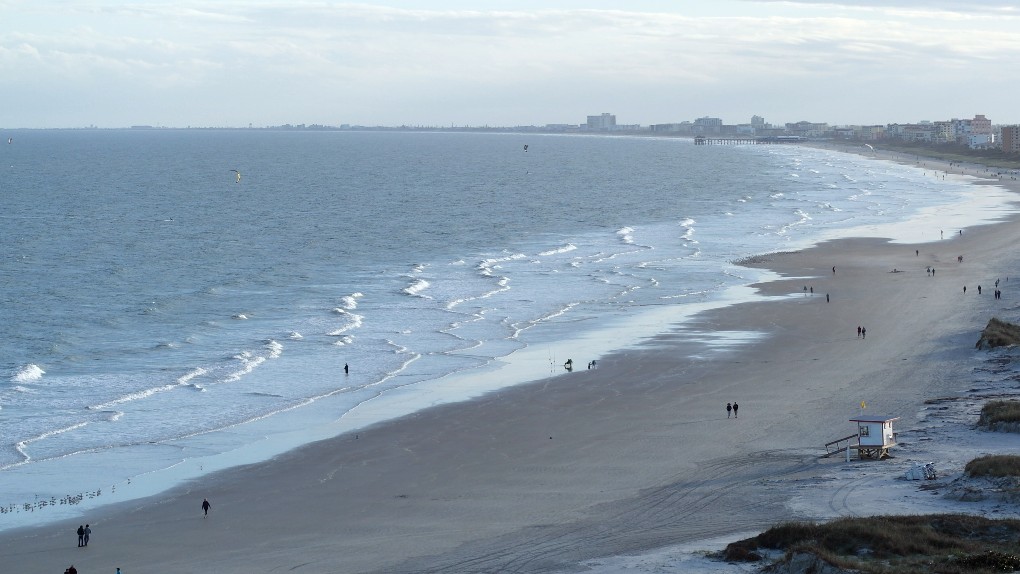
[(834, 447)]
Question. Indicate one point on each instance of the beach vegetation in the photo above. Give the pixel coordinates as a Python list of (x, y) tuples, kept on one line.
[(953, 152), (922, 544), (1000, 415), (995, 466), (998, 333)]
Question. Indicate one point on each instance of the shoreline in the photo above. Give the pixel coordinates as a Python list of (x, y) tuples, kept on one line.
[(262, 438), (566, 469)]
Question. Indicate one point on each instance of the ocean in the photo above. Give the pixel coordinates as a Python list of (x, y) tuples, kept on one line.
[(162, 318)]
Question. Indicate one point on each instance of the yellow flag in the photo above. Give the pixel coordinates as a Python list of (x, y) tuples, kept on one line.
[(863, 406)]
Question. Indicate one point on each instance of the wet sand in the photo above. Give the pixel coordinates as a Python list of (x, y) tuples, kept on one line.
[(635, 455)]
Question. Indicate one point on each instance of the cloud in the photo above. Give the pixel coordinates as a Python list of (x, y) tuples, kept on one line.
[(297, 62)]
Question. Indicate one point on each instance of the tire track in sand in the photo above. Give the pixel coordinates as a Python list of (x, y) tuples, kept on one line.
[(718, 497)]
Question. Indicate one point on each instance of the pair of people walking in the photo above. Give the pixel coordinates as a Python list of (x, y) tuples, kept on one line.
[(731, 408), (84, 532)]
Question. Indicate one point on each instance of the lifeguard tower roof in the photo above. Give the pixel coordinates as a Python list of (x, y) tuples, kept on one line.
[(874, 419)]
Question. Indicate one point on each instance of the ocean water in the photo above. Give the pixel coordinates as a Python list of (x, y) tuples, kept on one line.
[(160, 319)]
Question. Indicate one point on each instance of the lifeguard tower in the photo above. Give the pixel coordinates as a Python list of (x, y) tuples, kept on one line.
[(874, 436)]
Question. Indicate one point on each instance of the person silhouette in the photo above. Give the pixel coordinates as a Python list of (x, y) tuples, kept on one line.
[(735, 406), (729, 409), (205, 506)]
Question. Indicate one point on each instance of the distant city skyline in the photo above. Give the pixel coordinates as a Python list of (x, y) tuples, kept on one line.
[(115, 63)]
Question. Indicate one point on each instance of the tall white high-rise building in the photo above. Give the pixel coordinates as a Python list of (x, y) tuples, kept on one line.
[(604, 122)]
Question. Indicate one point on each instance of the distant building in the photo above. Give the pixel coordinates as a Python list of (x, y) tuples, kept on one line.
[(602, 123), (707, 126), (870, 133), (981, 125), (682, 128), (561, 127), (770, 132), (979, 141), (947, 132), (922, 132), (808, 129), (1011, 139)]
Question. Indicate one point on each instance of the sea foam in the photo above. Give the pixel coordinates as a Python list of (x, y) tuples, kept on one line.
[(27, 374)]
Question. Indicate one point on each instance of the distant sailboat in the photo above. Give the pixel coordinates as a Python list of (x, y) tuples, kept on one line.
[(10, 140), (238, 175)]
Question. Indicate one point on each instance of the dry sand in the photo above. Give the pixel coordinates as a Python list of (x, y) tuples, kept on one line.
[(633, 457)]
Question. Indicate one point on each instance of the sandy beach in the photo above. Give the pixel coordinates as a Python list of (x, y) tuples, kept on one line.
[(631, 466)]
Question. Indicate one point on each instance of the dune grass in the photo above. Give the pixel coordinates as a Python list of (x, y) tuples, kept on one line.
[(996, 466), (926, 544), (998, 333), (997, 413), (995, 158)]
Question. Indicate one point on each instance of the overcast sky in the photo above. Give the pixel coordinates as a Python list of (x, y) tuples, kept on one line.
[(116, 63)]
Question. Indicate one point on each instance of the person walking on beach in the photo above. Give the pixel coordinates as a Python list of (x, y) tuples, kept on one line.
[(859, 331), (864, 333), (81, 535), (88, 532), (729, 409), (735, 406), (205, 507), (347, 369)]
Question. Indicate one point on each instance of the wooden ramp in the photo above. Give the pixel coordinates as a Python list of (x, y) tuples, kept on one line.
[(837, 446)]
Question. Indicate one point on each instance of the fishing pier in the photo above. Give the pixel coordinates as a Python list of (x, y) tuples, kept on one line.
[(703, 140)]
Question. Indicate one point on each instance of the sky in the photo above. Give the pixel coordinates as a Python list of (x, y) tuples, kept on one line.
[(211, 63)]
